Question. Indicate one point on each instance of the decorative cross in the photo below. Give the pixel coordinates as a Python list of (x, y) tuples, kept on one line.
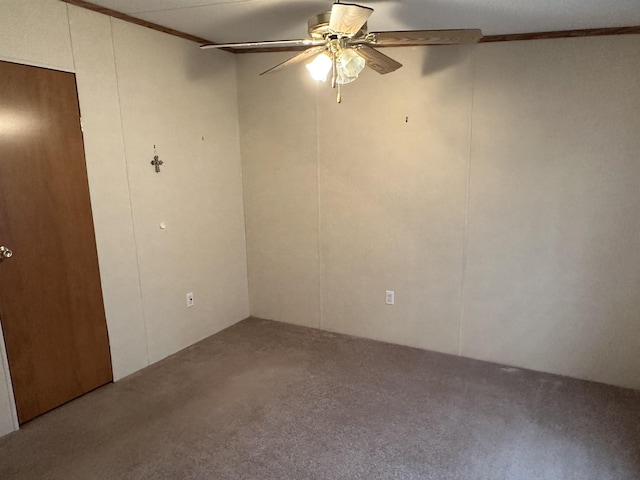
[(156, 162)]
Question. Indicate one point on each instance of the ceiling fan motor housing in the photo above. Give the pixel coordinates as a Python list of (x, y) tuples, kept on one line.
[(318, 27)]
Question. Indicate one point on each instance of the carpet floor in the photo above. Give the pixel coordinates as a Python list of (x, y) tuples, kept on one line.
[(265, 400)]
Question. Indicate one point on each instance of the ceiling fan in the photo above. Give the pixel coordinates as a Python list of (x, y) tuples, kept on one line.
[(340, 43)]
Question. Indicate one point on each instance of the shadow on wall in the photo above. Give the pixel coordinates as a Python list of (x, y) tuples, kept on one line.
[(432, 64), (218, 72)]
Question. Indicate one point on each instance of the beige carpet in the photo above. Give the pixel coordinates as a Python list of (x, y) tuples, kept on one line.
[(264, 400)]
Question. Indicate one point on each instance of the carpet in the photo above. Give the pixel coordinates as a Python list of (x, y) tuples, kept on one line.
[(267, 400)]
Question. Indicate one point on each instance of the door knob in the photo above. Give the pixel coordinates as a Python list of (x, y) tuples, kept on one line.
[(5, 252)]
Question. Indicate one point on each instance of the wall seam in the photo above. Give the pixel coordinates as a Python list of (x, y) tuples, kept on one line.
[(465, 234), (320, 312), (126, 162), (244, 198), (73, 55)]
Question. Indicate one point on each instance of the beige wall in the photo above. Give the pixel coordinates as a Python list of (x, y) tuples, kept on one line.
[(138, 88), (393, 162), (183, 100), (279, 151), (553, 260), (503, 212)]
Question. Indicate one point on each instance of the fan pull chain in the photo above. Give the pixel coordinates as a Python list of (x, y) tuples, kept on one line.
[(334, 70), (339, 96)]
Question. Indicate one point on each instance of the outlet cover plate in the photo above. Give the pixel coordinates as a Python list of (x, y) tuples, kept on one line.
[(390, 297)]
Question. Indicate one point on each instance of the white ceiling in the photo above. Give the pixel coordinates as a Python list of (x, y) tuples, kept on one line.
[(224, 21)]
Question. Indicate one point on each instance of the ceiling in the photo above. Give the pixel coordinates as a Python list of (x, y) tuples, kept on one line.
[(224, 21)]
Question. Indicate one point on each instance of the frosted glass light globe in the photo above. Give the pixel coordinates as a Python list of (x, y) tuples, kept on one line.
[(320, 66), (350, 64)]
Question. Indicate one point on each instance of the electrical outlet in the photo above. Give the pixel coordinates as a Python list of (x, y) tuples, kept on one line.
[(190, 299), (390, 297)]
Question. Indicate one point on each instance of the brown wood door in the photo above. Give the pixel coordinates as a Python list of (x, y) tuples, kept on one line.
[(51, 305)]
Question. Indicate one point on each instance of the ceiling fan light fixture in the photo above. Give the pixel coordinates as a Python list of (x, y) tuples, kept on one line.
[(349, 64), (320, 67)]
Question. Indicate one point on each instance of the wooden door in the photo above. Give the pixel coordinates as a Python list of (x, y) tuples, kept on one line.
[(51, 305)]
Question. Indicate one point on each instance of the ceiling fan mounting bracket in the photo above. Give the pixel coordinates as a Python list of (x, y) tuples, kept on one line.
[(318, 25)]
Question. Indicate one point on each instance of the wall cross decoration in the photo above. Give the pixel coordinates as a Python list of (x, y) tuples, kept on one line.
[(156, 162)]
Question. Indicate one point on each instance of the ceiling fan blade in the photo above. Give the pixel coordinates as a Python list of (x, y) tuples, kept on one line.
[(301, 57), (268, 43), (427, 37), (348, 17), (377, 61)]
